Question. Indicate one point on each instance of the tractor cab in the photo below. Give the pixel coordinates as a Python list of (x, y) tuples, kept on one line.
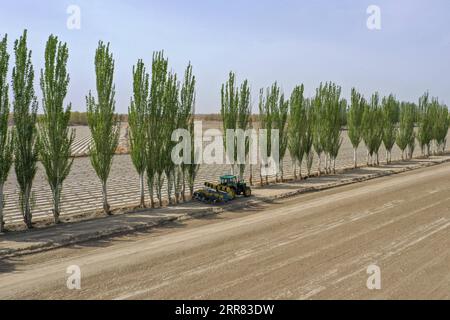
[(239, 187)]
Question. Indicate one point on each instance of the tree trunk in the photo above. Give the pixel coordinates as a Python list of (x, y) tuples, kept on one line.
[(294, 168), (183, 189), (319, 165), (355, 161), (150, 191), (281, 171), (141, 186), (56, 200), (27, 217), (2, 224), (309, 162), (368, 154), (260, 174), (105, 199), (300, 170), (152, 200), (169, 188), (250, 178), (387, 156)]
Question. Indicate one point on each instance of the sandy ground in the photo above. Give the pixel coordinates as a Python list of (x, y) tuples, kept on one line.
[(314, 246)]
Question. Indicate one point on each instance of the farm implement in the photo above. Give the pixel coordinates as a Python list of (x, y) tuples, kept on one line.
[(227, 190)]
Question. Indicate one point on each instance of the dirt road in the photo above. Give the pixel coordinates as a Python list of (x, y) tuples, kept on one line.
[(317, 245)]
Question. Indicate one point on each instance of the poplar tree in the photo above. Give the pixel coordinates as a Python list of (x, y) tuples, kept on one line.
[(279, 114), (187, 98), (25, 116), (327, 123), (318, 128), (55, 139), (229, 111), (390, 108), (354, 122), (6, 144), (169, 119), (155, 156), (439, 116), (186, 121), (373, 129), (266, 121), (309, 136), (406, 135), (243, 121), (425, 132), (137, 116), (332, 120), (297, 129), (103, 122), (235, 111)]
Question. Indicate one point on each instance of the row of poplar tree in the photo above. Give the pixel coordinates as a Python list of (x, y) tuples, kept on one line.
[(311, 128), (161, 103)]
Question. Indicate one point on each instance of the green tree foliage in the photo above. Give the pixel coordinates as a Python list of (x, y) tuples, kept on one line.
[(235, 111), (25, 133), (297, 128), (6, 145), (440, 124), (244, 120), (55, 139), (229, 111), (328, 120), (279, 114), (354, 122), (155, 139), (170, 119), (373, 128), (390, 117), (102, 120), (187, 100), (318, 128), (268, 104), (164, 116), (406, 135), (309, 136), (137, 116)]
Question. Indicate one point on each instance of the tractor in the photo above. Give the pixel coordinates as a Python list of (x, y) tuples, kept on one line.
[(239, 187), (228, 188)]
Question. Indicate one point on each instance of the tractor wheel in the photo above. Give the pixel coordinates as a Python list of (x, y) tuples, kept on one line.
[(247, 192)]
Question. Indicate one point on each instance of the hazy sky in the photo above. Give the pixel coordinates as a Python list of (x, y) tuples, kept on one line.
[(292, 42)]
